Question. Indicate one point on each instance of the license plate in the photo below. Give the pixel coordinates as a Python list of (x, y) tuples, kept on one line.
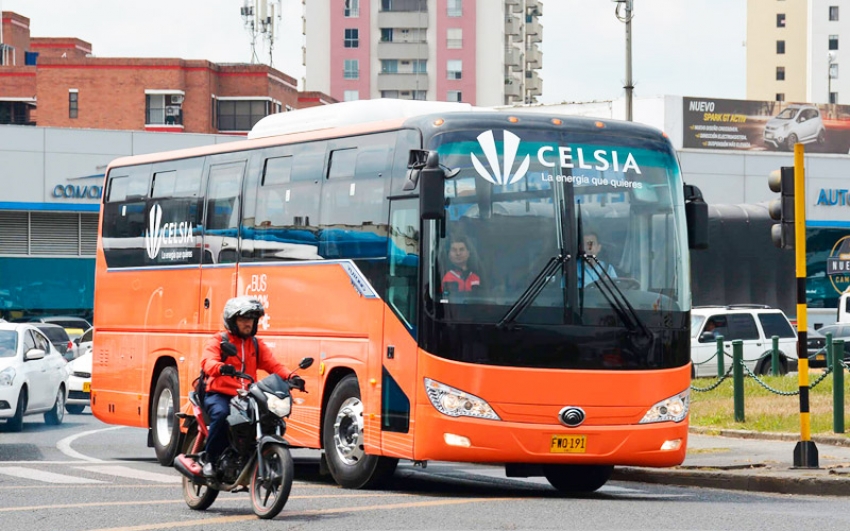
[(820, 357), (87, 387), (568, 444)]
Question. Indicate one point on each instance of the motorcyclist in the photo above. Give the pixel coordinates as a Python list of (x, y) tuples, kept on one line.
[(227, 353)]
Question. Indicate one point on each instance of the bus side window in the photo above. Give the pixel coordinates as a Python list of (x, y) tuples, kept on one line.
[(287, 203), (221, 223), (124, 216)]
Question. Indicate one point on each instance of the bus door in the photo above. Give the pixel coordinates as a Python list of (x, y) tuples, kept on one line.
[(400, 352), (220, 251)]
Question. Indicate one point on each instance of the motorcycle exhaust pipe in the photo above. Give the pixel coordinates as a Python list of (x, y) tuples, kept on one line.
[(189, 468)]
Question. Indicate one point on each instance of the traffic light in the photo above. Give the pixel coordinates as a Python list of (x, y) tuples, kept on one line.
[(782, 209)]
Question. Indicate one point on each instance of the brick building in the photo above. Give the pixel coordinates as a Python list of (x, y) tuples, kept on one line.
[(56, 82)]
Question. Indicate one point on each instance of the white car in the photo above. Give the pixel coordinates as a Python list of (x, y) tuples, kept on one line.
[(796, 123), (33, 376), (755, 325), (79, 382)]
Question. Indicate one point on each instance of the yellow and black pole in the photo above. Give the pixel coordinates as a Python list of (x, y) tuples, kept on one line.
[(805, 453)]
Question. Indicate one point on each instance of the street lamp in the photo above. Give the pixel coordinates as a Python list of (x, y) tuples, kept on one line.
[(831, 57), (626, 18)]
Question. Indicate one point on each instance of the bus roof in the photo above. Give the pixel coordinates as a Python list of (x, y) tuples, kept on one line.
[(349, 113)]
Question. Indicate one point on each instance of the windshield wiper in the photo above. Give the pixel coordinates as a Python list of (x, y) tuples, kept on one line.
[(534, 289), (615, 296)]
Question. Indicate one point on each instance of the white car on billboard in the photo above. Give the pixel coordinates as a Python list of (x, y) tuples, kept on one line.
[(796, 123)]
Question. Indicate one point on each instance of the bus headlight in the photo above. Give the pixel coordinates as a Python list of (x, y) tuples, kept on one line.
[(456, 403), (673, 409)]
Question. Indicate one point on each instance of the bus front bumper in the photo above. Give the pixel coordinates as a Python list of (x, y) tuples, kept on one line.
[(464, 439)]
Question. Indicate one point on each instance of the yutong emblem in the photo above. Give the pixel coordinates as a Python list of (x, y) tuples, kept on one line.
[(571, 416), (498, 176)]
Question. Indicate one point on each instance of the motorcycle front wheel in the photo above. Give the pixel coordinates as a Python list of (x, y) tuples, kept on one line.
[(270, 486)]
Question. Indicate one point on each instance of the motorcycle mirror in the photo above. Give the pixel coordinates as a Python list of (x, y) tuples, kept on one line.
[(306, 362), (228, 349)]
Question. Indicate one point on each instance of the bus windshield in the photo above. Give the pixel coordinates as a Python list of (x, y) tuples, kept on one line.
[(604, 209)]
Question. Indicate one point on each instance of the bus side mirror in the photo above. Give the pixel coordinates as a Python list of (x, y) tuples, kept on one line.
[(696, 214), (432, 192), (424, 170)]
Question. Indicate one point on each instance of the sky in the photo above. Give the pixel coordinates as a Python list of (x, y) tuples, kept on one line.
[(679, 47)]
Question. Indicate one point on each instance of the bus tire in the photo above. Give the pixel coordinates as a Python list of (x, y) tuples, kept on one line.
[(577, 478), (165, 429), (342, 439)]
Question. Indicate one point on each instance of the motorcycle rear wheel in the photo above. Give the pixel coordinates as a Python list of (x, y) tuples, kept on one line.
[(270, 494), (198, 497)]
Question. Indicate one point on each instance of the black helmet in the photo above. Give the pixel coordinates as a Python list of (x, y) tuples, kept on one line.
[(242, 307)]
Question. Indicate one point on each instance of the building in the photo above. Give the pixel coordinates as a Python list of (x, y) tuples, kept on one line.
[(483, 52), (794, 50), (57, 82), (65, 114)]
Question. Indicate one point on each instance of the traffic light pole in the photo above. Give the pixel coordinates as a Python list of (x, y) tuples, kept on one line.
[(805, 453)]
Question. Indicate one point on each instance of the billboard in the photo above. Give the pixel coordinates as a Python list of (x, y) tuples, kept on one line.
[(743, 125)]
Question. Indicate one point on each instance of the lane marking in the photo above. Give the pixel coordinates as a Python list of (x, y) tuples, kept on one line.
[(146, 486), (132, 473), (41, 475), (315, 512), (155, 502), (64, 445)]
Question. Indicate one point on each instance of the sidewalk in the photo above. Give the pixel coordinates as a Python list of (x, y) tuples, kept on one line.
[(752, 461)]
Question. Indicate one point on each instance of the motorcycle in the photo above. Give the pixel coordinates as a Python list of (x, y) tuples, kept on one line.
[(257, 457)]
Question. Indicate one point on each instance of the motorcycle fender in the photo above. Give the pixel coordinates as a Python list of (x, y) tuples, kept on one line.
[(272, 439)]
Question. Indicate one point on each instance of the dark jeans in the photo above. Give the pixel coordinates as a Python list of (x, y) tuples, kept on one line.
[(218, 407)]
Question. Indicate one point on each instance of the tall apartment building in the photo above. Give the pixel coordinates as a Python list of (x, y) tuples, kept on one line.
[(794, 50), (483, 52), (57, 82)]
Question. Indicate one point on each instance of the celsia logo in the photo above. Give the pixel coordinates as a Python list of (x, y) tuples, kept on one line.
[(497, 175), (170, 234), (153, 235)]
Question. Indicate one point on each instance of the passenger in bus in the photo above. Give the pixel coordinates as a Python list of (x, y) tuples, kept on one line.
[(460, 277), (226, 353), (588, 272)]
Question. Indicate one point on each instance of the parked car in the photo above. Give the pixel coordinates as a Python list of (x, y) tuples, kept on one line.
[(65, 321), (79, 382), (754, 325), (83, 342), (838, 331), (33, 376), (58, 336), (796, 123)]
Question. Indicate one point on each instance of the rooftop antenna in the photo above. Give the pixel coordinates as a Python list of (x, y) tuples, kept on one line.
[(260, 18)]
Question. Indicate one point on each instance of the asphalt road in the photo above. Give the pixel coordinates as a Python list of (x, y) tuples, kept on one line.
[(85, 475)]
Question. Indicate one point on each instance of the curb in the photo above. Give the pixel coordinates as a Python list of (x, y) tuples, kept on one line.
[(813, 486), (835, 439)]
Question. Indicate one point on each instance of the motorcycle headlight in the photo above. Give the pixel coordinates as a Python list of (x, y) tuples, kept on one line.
[(279, 406), (7, 376), (673, 409), (456, 403)]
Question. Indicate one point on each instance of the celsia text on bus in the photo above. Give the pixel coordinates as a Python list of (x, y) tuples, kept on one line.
[(476, 286)]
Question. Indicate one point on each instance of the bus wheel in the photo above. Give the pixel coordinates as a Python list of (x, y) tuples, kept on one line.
[(342, 439), (165, 429), (577, 478)]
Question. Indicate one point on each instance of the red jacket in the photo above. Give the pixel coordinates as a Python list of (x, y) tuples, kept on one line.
[(211, 363), (455, 281)]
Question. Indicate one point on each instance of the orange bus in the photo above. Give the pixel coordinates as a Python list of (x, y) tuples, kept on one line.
[(561, 349)]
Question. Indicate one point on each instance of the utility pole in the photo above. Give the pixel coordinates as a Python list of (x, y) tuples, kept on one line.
[(627, 19)]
